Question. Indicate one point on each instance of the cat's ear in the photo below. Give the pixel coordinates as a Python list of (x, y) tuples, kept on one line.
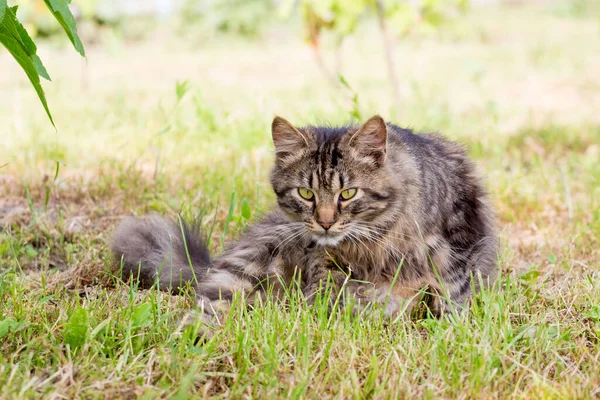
[(287, 139), (371, 139)]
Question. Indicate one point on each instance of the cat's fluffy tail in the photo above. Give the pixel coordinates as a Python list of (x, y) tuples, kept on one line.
[(154, 250)]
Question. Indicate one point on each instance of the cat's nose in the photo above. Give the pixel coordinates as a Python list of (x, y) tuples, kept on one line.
[(326, 224), (326, 216)]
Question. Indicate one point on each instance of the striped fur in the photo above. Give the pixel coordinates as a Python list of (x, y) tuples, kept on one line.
[(420, 219)]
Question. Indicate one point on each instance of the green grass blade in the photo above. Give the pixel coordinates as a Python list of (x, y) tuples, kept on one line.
[(228, 220)]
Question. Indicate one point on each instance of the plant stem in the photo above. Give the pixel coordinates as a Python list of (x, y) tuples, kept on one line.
[(322, 66), (389, 52)]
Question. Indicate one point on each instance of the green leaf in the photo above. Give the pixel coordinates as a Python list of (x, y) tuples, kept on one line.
[(181, 89), (246, 212), (39, 67), (26, 62), (594, 313), (58, 162), (60, 10), (16, 40), (11, 326), (19, 31), (31, 252), (2, 9), (141, 315), (344, 82), (46, 299), (49, 186), (76, 330), (529, 276), (101, 327)]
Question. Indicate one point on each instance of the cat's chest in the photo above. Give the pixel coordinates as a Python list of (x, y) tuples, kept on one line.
[(364, 259)]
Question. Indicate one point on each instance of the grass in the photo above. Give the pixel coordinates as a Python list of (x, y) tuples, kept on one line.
[(524, 101)]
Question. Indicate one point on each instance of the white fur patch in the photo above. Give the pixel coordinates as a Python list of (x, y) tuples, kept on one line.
[(328, 240), (226, 281)]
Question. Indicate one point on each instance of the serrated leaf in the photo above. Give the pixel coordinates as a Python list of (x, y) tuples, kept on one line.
[(16, 40), (39, 67), (14, 27), (27, 65), (141, 315), (60, 10), (76, 330), (11, 326), (246, 211), (26, 40)]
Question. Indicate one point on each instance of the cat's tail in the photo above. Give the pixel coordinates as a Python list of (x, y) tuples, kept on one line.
[(154, 250)]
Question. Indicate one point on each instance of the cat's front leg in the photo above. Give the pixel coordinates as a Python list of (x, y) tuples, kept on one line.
[(323, 275), (259, 263), (391, 299), (328, 275)]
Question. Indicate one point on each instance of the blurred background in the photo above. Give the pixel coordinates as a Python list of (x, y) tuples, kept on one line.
[(172, 106), (432, 64), (459, 66)]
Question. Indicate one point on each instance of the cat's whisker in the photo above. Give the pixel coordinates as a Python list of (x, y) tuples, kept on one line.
[(452, 252), (287, 238), (385, 232), (388, 246), (379, 242), (358, 241), (298, 233)]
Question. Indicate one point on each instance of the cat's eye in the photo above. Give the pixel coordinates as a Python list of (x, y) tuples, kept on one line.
[(348, 194), (306, 193)]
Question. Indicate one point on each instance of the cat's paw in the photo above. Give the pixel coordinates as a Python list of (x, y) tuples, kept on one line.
[(202, 322), (198, 326), (368, 298)]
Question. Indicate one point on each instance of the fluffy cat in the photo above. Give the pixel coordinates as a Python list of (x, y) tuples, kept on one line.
[(381, 211)]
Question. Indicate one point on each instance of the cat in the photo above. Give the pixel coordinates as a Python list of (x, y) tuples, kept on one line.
[(380, 211)]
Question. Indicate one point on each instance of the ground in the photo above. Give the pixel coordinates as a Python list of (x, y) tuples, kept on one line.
[(518, 86)]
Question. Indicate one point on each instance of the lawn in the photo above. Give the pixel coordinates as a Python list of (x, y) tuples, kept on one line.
[(173, 125)]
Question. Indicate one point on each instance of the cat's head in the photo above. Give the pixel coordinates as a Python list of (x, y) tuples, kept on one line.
[(336, 181)]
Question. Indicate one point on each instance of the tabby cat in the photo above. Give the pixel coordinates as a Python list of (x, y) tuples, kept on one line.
[(382, 212)]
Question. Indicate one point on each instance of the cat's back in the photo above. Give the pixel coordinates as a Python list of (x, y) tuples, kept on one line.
[(449, 182), (434, 154), (426, 146)]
